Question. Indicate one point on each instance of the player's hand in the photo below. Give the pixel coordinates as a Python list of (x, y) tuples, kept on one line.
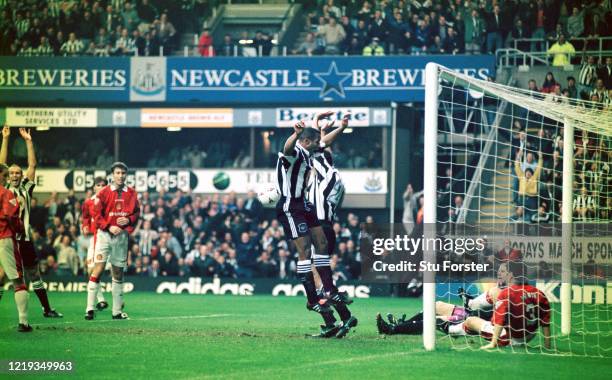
[(25, 134), (299, 127), (489, 346), (320, 116), (122, 221), (345, 120), (328, 126), (6, 131), (114, 230)]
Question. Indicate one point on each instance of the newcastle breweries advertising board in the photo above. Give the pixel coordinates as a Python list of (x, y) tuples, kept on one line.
[(226, 81)]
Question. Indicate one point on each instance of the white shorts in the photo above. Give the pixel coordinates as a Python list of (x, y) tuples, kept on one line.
[(487, 333), (112, 248), (10, 260)]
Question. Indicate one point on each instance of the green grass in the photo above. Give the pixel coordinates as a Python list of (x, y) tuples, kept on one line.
[(260, 337)]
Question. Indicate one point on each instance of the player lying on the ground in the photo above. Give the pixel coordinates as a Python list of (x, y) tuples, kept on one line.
[(23, 187), (519, 310)]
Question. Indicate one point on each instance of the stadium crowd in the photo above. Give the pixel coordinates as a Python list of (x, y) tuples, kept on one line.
[(537, 150), (181, 234), (448, 27), (370, 27)]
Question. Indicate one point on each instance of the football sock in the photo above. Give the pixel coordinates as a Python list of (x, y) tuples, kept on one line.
[(117, 296), (304, 272), (41, 293), (456, 330), (321, 262), (100, 295), (92, 289), (480, 302), (21, 300)]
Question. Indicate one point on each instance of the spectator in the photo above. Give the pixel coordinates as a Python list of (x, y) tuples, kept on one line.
[(575, 23), (150, 45), (494, 23), (205, 45), (165, 32), (131, 21), (262, 44), (474, 30), (562, 52), (528, 185), (399, 35), (72, 47), (308, 46), (362, 33), (605, 73), (169, 266), (372, 49), (125, 45), (453, 44), (147, 14), (333, 34), (266, 266), (520, 32), (571, 88), (228, 49), (549, 83), (587, 76), (67, 258), (600, 91)]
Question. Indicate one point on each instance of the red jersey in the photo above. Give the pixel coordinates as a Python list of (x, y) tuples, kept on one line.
[(10, 224), (114, 203), (88, 212), (522, 307)]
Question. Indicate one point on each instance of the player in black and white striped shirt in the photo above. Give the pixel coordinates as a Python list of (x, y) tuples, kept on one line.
[(326, 192), (299, 219)]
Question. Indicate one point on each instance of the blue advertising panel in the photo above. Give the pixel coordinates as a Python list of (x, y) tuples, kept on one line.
[(225, 81)]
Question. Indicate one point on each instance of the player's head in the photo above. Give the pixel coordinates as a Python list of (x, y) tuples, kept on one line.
[(4, 174), (310, 138), (15, 174), (119, 171), (99, 183), (512, 271)]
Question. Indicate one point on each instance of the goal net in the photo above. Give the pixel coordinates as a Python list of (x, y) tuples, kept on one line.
[(529, 174)]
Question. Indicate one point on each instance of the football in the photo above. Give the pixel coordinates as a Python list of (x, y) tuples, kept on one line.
[(268, 194)]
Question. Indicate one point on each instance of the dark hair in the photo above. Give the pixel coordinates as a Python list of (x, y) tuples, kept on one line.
[(549, 83), (98, 180), (309, 133), (118, 164), (529, 170), (518, 270)]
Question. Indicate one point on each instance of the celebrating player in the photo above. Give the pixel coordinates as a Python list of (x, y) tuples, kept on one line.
[(23, 187), (116, 214), (88, 228), (300, 221), (10, 260), (326, 191)]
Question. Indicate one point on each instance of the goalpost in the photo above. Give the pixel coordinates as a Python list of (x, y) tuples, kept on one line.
[(479, 137)]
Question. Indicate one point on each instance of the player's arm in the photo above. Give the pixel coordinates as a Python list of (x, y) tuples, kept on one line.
[(329, 138), (499, 317), (27, 137), (99, 216), (6, 133), (497, 329), (85, 218), (289, 147), (546, 333), (134, 216)]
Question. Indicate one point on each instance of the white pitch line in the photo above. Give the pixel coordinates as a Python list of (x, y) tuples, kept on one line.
[(136, 319)]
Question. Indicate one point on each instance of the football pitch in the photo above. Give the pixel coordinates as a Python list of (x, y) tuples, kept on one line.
[(258, 337)]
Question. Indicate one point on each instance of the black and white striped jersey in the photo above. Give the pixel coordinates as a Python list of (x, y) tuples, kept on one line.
[(325, 188), (292, 173)]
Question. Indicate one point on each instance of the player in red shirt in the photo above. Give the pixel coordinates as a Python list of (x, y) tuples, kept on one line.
[(519, 310), (115, 213), (10, 260), (88, 227)]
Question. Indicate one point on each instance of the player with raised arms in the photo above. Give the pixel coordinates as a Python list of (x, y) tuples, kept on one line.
[(299, 220), (10, 260), (326, 191), (115, 213), (23, 187), (88, 227)]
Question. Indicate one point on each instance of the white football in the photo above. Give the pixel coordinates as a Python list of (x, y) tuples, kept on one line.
[(268, 194)]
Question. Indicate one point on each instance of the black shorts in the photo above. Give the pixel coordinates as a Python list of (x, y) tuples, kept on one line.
[(296, 216), (28, 253)]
